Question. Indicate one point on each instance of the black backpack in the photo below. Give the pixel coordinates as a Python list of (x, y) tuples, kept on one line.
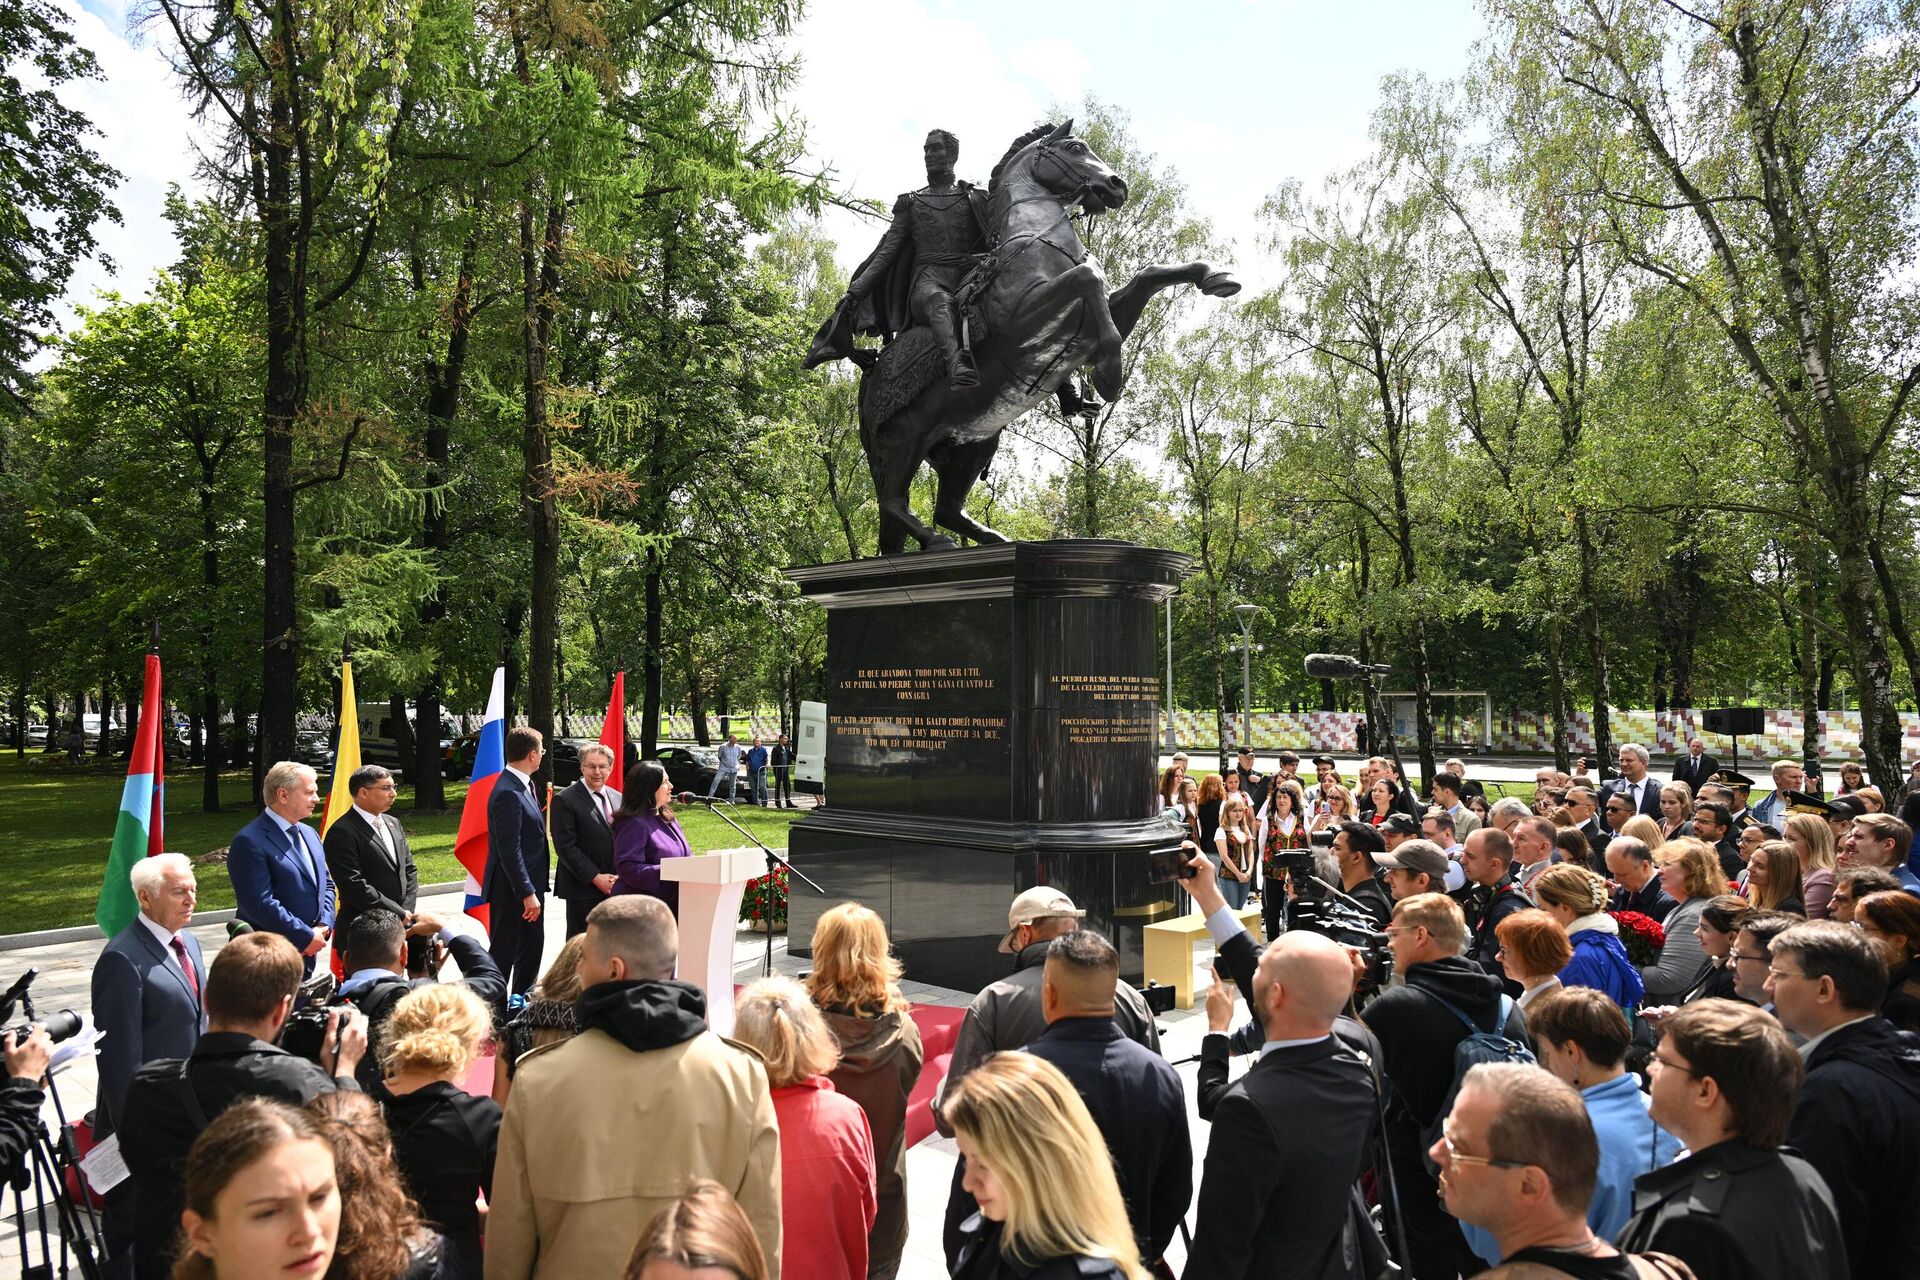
[(1480, 1045)]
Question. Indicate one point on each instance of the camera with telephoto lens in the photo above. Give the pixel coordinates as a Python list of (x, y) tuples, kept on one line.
[(1350, 928), (62, 1025), (304, 1033)]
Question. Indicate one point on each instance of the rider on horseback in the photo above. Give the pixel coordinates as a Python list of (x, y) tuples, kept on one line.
[(939, 234)]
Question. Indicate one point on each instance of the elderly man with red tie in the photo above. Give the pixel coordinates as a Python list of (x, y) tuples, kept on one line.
[(583, 837)]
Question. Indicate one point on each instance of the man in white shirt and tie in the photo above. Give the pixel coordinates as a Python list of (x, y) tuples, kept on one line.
[(367, 851), (1634, 782), (583, 837)]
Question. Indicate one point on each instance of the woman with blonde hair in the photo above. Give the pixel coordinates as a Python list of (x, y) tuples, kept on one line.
[(261, 1196), (1773, 877), (546, 1017), (855, 983), (1676, 807), (1050, 1206), (443, 1137), (1335, 807), (1577, 898), (1233, 846), (704, 1230), (1690, 874), (1812, 839), (827, 1196), (1643, 828)]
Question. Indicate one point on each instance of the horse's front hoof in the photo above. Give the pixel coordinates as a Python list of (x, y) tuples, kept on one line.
[(1220, 284)]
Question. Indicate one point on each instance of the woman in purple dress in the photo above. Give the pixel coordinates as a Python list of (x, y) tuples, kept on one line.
[(646, 834)]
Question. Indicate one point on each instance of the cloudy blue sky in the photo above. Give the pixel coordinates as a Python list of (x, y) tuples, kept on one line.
[(1240, 95)]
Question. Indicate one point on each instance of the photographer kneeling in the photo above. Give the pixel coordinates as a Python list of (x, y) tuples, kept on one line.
[(250, 992), (387, 957), (1291, 1137)]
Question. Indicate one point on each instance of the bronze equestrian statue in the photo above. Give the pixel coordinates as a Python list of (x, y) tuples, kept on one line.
[(1000, 297)]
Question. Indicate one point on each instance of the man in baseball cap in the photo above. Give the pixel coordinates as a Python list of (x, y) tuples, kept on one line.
[(1029, 909), (1415, 866), (1008, 1015)]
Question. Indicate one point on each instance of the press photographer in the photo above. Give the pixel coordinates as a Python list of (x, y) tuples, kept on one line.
[(1292, 1137), (387, 957), (20, 1096), (251, 987)]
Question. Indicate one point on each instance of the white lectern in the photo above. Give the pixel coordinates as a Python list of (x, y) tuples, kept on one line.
[(710, 888)]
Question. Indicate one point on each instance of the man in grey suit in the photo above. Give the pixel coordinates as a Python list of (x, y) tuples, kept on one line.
[(147, 1005), (367, 852), (583, 837)]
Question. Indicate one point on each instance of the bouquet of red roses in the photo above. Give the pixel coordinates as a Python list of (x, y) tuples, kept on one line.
[(1641, 935), (763, 903)]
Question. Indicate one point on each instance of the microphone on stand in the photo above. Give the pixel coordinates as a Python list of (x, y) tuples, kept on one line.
[(1339, 666), (687, 797)]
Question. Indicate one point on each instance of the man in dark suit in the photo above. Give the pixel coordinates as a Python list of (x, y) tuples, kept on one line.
[(515, 884), (278, 867), (1584, 807), (1291, 1137), (583, 837), (147, 1003), (367, 852), (1696, 767), (1635, 782)]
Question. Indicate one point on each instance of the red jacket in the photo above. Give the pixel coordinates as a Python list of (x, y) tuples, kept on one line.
[(827, 1195)]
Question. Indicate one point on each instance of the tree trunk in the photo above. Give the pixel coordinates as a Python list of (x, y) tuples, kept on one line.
[(104, 746), (697, 703), (1814, 686), (540, 271), (1896, 618), (444, 379), (516, 625), (1596, 641), (652, 668), (284, 398)]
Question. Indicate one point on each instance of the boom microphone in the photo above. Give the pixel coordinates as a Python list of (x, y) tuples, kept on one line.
[(1338, 666)]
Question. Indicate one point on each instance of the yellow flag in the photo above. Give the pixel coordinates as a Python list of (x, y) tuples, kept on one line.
[(346, 753)]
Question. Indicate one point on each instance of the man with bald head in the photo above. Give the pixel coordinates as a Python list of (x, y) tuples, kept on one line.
[(1290, 1138)]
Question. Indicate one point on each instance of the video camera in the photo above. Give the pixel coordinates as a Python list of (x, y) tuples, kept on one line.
[(63, 1025), (304, 1033), (1349, 927)]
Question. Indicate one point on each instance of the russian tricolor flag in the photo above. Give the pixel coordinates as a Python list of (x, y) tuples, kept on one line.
[(489, 758)]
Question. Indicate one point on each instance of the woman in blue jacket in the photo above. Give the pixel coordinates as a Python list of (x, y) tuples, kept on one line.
[(1577, 898)]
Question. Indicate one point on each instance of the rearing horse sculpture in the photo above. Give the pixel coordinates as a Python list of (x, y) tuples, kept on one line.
[(1047, 313)]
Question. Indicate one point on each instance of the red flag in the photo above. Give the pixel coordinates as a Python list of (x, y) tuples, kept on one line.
[(156, 834), (613, 732)]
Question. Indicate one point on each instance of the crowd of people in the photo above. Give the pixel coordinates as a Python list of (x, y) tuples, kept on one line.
[(1588, 1035)]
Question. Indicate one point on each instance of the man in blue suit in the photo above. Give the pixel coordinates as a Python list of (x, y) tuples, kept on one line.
[(515, 885), (278, 868), (147, 1005)]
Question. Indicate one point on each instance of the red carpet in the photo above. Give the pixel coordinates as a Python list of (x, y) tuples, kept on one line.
[(939, 1028)]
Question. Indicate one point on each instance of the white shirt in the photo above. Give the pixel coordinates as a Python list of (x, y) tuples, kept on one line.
[(166, 942), (605, 801), (379, 829), (1806, 1050), (526, 779)]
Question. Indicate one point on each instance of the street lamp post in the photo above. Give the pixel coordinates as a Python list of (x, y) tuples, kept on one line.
[(1245, 613)]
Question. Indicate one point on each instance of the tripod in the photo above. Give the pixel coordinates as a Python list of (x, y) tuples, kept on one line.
[(774, 863), (44, 1170)]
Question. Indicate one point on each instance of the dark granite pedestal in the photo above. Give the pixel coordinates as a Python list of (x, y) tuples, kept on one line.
[(992, 720)]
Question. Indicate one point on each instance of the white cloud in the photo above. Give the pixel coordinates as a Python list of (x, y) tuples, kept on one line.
[(1056, 67), (145, 132)]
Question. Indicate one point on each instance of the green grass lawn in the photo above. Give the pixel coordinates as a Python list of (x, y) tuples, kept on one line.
[(56, 824)]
